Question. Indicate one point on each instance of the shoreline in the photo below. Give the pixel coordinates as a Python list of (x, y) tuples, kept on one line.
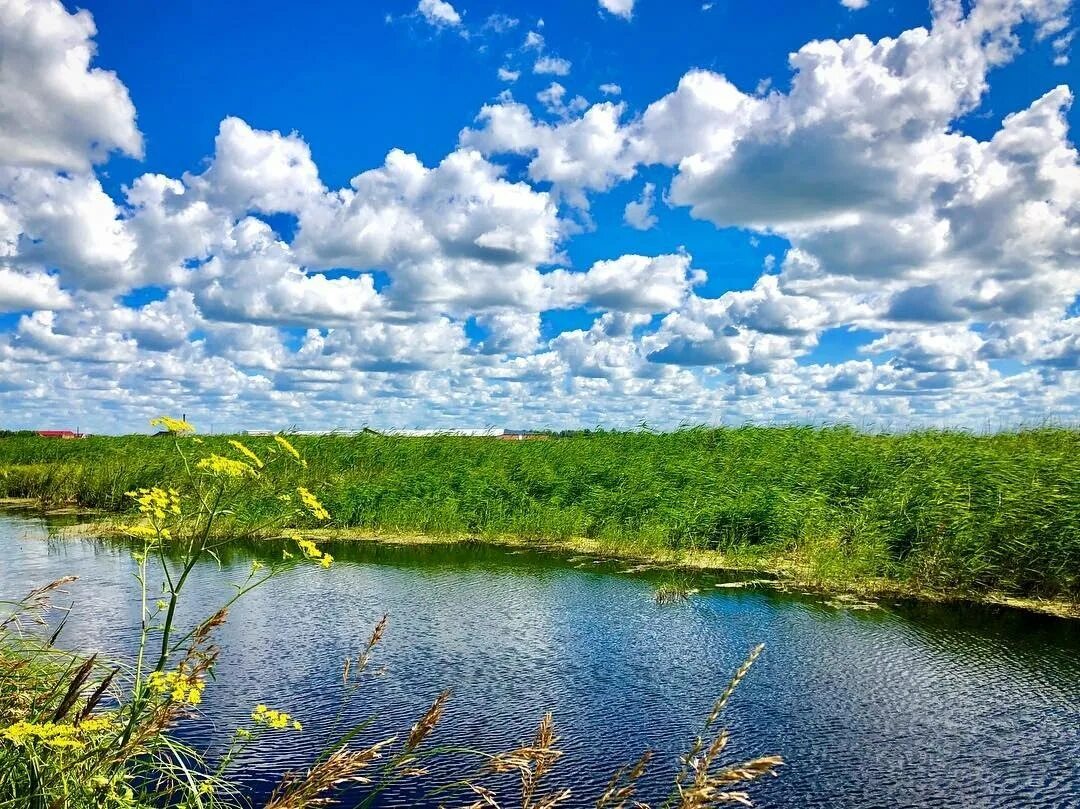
[(784, 573)]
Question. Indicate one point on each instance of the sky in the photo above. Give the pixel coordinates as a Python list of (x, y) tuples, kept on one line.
[(598, 213)]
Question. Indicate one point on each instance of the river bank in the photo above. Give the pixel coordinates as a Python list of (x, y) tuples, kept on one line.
[(993, 516), (774, 572)]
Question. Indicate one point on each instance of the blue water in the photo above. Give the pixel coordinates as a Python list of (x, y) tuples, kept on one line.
[(903, 706)]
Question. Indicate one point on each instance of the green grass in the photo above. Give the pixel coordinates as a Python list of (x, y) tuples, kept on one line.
[(932, 509)]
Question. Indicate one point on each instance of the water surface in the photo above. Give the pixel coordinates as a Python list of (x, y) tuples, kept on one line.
[(904, 706)]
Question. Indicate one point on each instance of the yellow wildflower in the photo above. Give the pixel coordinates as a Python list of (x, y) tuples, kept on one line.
[(276, 720), (178, 686), (227, 467), (289, 448), (312, 552), (312, 504), (178, 426), (142, 531), (247, 453), (156, 503), (97, 724), (56, 735)]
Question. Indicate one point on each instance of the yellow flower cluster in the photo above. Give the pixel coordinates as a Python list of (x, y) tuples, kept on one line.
[(179, 687), (312, 504), (56, 735), (156, 502), (289, 448), (146, 531), (312, 552), (278, 720), (247, 453), (172, 425), (227, 467)]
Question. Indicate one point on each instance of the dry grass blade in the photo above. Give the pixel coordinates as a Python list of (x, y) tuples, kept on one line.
[(207, 627), (532, 763), (364, 658), (711, 789), (95, 697), (36, 601), (699, 783), (744, 669), (312, 788), (623, 785), (485, 797), (74, 687), (426, 723), (40, 594), (749, 770)]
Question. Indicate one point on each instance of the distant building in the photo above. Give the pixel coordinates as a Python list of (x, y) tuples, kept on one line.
[(460, 432), (523, 435), (60, 434), (453, 432), (268, 433)]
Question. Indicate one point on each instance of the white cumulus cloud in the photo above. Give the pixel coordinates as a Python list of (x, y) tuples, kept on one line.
[(439, 13)]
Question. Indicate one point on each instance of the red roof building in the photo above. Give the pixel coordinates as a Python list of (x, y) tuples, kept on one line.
[(59, 434)]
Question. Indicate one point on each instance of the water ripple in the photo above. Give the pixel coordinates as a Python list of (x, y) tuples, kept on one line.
[(910, 706)]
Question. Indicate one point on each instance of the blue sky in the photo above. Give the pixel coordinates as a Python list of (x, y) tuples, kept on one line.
[(708, 213)]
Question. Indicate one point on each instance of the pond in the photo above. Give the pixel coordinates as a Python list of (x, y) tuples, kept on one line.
[(906, 705)]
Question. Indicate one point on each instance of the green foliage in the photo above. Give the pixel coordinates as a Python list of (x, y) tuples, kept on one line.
[(941, 509)]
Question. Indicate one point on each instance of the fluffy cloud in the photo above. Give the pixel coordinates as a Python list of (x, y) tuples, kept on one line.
[(20, 291), (895, 219), (261, 171), (620, 8), (631, 283), (56, 111), (456, 233), (438, 13), (638, 213), (438, 292), (552, 65), (67, 221), (752, 329), (586, 153)]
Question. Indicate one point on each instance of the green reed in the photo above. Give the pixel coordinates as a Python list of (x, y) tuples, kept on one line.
[(933, 508)]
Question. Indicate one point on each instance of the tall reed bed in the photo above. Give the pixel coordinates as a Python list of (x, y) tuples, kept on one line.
[(938, 509)]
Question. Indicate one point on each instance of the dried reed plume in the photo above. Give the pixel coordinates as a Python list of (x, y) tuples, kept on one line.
[(312, 789), (364, 658), (35, 603), (532, 763)]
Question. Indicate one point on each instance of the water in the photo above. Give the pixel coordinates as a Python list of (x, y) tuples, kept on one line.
[(905, 706)]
